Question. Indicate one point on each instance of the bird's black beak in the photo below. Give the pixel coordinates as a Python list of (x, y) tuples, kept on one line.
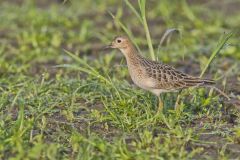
[(108, 46)]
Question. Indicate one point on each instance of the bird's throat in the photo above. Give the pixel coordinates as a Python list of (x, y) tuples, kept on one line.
[(131, 54)]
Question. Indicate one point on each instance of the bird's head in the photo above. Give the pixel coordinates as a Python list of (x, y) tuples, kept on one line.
[(120, 42)]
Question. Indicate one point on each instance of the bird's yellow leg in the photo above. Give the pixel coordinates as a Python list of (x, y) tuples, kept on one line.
[(177, 101), (160, 104)]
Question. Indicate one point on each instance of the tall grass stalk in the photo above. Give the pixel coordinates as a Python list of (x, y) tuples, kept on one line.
[(142, 6), (143, 20)]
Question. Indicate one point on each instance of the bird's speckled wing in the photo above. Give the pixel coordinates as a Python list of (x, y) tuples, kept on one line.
[(168, 78)]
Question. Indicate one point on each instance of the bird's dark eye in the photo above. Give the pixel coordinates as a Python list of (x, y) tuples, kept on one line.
[(119, 41)]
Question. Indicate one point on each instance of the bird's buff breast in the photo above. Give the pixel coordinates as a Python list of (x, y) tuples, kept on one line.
[(143, 81), (139, 78)]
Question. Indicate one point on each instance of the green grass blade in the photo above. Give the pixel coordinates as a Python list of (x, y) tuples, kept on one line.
[(221, 44), (167, 35), (126, 30), (149, 40), (142, 6), (142, 18), (90, 70), (133, 10)]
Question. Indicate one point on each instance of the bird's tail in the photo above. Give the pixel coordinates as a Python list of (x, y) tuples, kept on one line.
[(198, 82), (208, 82), (193, 81)]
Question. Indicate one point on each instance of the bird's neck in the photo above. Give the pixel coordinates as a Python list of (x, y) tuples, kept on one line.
[(130, 53)]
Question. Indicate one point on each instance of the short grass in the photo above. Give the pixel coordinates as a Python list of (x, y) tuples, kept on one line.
[(62, 97)]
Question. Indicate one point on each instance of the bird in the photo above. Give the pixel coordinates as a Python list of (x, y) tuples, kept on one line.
[(155, 76)]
